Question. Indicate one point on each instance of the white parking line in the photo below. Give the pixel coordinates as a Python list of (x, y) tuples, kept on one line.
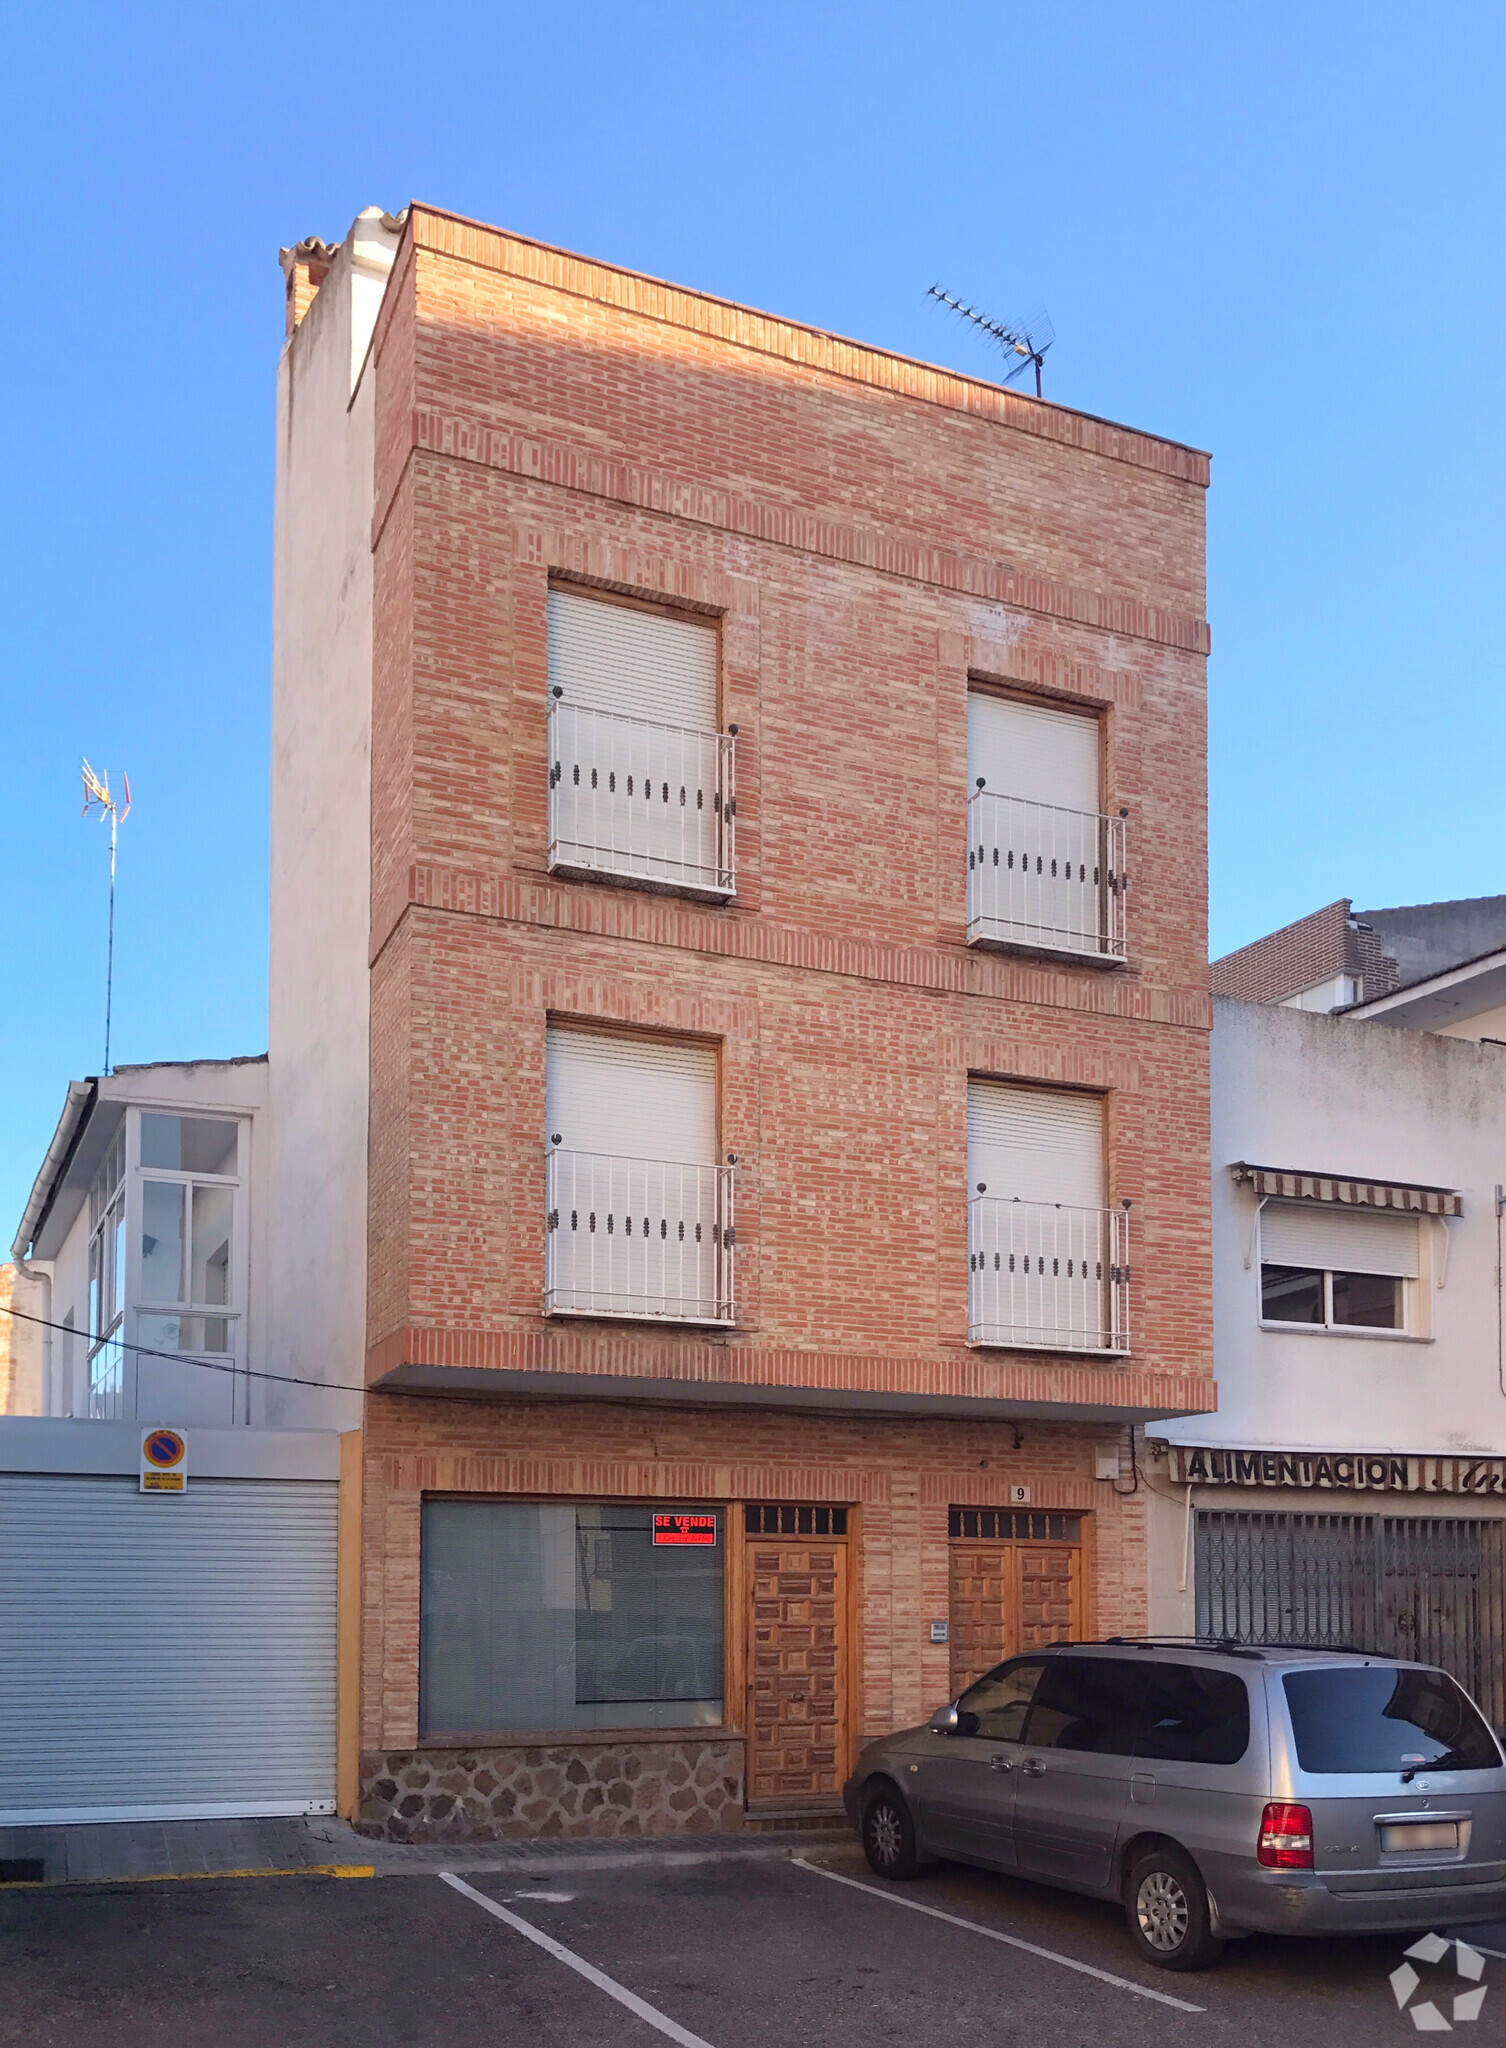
[(572, 1961), (1047, 1955)]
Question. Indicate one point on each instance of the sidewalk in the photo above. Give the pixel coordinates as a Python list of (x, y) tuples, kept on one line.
[(121, 1852)]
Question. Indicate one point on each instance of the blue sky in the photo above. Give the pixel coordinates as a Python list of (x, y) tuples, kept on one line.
[(1272, 231)]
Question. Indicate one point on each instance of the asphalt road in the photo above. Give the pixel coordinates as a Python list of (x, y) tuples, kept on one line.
[(729, 1954)]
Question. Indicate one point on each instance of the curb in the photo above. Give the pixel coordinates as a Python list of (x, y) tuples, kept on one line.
[(54, 1884)]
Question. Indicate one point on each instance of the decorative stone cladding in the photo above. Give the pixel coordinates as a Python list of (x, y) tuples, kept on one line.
[(578, 1784)]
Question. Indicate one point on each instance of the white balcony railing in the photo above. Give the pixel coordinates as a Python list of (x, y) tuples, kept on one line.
[(1042, 1276), (1038, 875), (653, 803), (644, 1238)]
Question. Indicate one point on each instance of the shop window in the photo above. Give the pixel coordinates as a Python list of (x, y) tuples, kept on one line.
[(544, 1616)]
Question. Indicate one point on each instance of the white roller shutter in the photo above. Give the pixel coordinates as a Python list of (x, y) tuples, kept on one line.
[(1338, 1240), (638, 664), (165, 1658), (1024, 750), (635, 1098), (1037, 1144)]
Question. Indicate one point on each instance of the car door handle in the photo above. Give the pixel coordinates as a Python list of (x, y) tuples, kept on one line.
[(1001, 1763), (1033, 1767)]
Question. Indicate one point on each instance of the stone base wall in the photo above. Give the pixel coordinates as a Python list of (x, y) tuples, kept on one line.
[(641, 1785)]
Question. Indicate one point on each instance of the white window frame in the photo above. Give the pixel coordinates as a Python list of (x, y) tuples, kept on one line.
[(236, 1311)]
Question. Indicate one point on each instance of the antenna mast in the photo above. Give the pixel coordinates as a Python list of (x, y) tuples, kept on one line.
[(97, 794), (1027, 339)]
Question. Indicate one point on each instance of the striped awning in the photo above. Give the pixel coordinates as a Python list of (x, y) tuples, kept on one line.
[(1288, 1185)]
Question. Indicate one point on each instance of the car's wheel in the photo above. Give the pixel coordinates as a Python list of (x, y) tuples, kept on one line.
[(1166, 1904), (888, 1835)]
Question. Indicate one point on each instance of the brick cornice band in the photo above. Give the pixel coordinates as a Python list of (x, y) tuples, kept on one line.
[(563, 466), (657, 921), (1054, 1382)]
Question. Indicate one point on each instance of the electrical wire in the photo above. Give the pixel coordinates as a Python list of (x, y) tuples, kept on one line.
[(1126, 1492), (284, 1379)]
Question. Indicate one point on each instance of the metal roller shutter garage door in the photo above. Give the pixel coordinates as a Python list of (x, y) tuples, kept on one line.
[(165, 1659)]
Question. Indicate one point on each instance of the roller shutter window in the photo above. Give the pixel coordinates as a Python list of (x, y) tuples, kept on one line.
[(636, 1213), (634, 663), (1042, 1252), (165, 1658), (1026, 750), (1036, 843), (634, 1098), (1339, 1241), (636, 778), (1035, 1144)]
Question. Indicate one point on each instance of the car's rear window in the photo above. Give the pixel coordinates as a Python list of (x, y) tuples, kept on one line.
[(1356, 1718)]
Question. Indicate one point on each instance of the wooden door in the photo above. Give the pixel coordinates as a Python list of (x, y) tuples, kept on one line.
[(1007, 1597), (985, 1610), (797, 1672), (1048, 1593)]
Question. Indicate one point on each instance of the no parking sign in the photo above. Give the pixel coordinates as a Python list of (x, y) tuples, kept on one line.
[(164, 1462)]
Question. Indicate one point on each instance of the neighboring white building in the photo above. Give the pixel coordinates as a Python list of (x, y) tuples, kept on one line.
[(147, 1226), (1352, 1484), (144, 1223), (166, 1656)]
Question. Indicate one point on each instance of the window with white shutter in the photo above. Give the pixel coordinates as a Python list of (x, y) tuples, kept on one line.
[(640, 775), (1336, 1268), (1048, 1263), (639, 1209), (1045, 867)]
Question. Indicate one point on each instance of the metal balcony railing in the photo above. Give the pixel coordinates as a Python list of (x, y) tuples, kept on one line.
[(1045, 1277), (628, 797), (1038, 875), (648, 1239)]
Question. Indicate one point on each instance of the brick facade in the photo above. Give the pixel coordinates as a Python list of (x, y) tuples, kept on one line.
[(870, 534)]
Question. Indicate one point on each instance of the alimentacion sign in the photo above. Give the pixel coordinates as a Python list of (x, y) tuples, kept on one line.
[(1337, 1471)]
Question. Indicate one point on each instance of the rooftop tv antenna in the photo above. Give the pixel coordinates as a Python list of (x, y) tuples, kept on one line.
[(97, 796), (1026, 339)]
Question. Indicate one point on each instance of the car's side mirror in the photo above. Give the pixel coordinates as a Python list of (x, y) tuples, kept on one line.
[(944, 1721)]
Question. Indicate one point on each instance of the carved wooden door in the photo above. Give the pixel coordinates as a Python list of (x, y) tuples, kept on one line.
[(797, 1672), (1048, 1593), (1007, 1597), (985, 1609)]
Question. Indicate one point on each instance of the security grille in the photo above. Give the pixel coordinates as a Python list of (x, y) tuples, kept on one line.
[(767, 1518), (1013, 1525), (1429, 1588)]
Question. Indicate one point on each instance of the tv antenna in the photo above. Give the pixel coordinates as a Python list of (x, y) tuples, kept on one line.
[(1027, 339), (97, 796)]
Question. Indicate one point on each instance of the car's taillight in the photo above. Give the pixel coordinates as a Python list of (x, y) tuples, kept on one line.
[(1286, 1837)]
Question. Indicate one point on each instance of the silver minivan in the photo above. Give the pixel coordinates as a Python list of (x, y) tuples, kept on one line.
[(1216, 1789)]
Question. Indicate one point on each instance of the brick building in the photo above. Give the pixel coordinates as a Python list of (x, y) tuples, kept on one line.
[(739, 1022)]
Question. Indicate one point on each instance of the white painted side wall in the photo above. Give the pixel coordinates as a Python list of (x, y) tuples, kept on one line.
[(1322, 1093), (321, 838)]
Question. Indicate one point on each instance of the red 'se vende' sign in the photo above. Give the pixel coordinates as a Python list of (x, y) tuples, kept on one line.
[(685, 1529)]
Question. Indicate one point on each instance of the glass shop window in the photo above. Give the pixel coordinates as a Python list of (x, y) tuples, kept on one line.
[(548, 1616)]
